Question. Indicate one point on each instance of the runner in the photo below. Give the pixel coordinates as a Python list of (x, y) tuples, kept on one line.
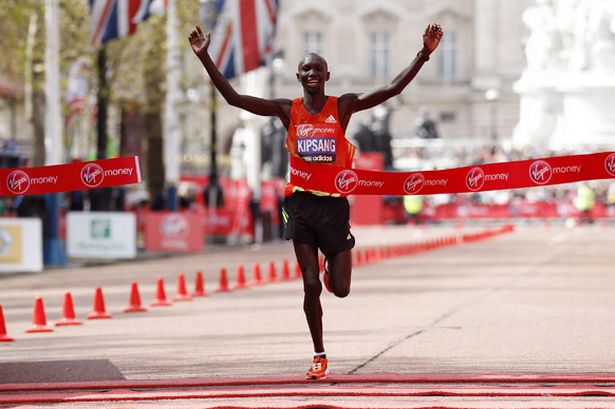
[(315, 127)]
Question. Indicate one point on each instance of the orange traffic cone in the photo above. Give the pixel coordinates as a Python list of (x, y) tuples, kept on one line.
[(3, 336), (135, 300), (99, 311), (182, 293), (223, 281), (199, 286), (285, 271), (272, 273), (241, 277), (161, 296), (39, 320), (298, 271), (256, 274), (68, 312)]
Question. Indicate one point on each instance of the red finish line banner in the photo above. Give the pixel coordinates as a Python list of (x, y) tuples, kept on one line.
[(479, 178), (70, 176)]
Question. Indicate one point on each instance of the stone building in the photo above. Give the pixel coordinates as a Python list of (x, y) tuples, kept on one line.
[(466, 87), (367, 43)]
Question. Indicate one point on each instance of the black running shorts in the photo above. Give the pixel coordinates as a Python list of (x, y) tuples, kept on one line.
[(319, 220)]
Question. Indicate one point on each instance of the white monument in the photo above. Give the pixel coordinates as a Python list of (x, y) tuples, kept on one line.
[(568, 88)]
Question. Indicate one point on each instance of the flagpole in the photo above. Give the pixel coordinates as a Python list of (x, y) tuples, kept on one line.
[(171, 123), (53, 248)]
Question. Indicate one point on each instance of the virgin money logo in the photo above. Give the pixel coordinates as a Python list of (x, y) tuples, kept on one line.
[(18, 182), (305, 130), (414, 183), (609, 164), (540, 172), (346, 181), (475, 179), (175, 226), (92, 175)]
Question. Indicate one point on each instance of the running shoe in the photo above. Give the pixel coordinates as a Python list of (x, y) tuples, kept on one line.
[(326, 277), (318, 370)]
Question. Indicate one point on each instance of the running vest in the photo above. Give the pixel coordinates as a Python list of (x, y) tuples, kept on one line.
[(317, 138)]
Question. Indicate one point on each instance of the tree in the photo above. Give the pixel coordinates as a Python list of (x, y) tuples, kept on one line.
[(22, 40), (136, 66)]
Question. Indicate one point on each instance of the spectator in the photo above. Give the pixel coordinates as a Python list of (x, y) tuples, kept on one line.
[(584, 202), (426, 126), (413, 205)]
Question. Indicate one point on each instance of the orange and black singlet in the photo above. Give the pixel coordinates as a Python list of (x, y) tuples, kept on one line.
[(317, 138)]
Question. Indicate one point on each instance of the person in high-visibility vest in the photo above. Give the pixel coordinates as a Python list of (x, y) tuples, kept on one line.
[(413, 205), (584, 202)]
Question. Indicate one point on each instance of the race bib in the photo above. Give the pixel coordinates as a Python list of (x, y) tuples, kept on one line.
[(321, 150), (316, 143)]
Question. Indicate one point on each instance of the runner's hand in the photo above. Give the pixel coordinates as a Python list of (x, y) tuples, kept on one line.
[(431, 37), (198, 41)]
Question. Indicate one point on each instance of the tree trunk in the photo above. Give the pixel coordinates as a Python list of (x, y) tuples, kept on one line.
[(154, 98), (100, 199), (102, 99), (35, 77), (38, 125), (154, 162)]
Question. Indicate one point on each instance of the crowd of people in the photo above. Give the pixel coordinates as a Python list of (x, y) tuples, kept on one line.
[(582, 197)]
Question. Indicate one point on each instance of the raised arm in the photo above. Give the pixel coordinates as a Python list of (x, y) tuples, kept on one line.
[(350, 103), (259, 106)]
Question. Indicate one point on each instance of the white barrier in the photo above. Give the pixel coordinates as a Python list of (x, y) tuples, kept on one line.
[(105, 235), (21, 245)]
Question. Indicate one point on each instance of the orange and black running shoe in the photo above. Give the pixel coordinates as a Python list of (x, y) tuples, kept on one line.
[(318, 370)]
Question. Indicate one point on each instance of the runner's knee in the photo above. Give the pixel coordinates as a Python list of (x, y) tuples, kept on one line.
[(341, 291), (312, 285)]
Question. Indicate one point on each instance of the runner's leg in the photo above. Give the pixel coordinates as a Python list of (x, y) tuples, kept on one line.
[(307, 257), (340, 269)]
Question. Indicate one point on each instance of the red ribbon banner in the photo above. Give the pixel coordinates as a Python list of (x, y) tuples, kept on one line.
[(70, 176), (479, 178)]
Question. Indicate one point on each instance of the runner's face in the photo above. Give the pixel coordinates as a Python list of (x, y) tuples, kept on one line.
[(313, 74)]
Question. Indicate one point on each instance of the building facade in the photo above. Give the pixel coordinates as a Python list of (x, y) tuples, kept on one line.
[(367, 43), (466, 87)]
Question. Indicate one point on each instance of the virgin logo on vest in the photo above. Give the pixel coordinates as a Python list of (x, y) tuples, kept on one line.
[(609, 164), (92, 175), (18, 182), (540, 172), (305, 130), (475, 179), (414, 183), (346, 181)]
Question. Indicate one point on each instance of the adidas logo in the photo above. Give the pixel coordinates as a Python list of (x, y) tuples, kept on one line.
[(330, 120)]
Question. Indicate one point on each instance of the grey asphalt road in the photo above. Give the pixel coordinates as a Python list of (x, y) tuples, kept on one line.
[(539, 300)]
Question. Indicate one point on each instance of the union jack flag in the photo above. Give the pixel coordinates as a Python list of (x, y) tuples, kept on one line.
[(113, 19), (242, 33)]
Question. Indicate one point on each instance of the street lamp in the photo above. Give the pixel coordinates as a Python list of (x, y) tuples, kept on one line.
[(276, 66), (492, 95)]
